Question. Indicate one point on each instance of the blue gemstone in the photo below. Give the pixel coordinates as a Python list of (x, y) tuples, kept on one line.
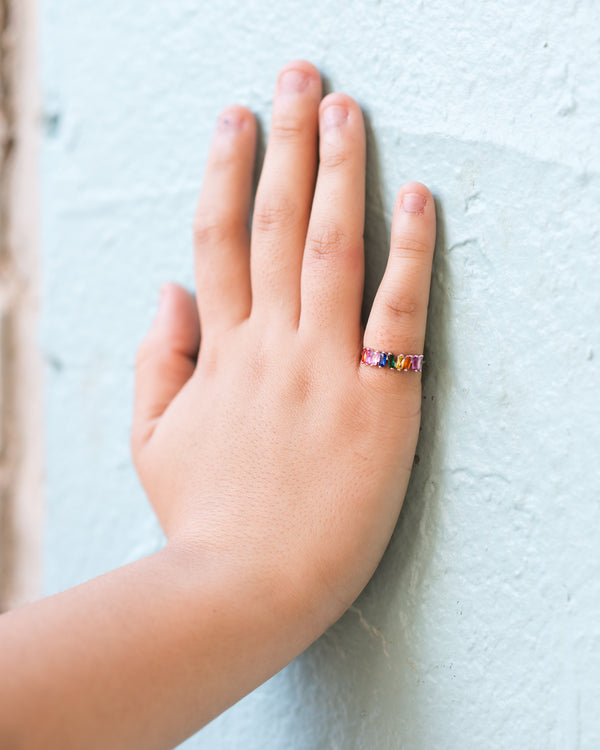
[(382, 359)]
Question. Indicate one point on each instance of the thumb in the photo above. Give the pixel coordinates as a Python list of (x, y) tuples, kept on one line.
[(165, 360)]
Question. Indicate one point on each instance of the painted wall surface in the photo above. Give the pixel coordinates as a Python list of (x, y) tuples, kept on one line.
[(481, 628)]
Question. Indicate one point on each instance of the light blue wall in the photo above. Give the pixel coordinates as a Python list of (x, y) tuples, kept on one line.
[(481, 628)]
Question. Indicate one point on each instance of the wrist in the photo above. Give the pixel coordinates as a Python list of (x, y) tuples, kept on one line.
[(277, 600)]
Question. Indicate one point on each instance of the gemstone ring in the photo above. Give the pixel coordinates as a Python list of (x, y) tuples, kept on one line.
[(402, 362)]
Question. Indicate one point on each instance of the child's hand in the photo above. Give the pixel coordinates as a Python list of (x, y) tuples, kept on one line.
[(277, 455), (276, 463)]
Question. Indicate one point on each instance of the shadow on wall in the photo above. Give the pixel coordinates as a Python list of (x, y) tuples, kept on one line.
[(348, 686)]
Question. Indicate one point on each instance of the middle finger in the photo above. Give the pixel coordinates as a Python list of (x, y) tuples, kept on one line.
[(284, 194)]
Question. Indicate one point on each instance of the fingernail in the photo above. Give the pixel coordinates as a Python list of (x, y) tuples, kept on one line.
[(413, 203), (293, 81), (335, 115), (230, 121)]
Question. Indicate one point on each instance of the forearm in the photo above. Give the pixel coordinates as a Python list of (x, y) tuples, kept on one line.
[(141, 657)]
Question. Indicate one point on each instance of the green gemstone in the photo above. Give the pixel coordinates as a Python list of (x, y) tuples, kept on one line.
[(391, 361)]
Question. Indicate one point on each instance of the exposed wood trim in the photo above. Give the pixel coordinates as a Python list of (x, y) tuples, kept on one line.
[(21, 441)]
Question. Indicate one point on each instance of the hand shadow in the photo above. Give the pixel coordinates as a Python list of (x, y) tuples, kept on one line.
[(361, 667)]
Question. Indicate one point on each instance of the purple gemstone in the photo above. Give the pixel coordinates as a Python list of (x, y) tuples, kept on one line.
[(371, 356)]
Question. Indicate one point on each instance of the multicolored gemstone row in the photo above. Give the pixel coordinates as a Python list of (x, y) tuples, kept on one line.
[(392, 361)]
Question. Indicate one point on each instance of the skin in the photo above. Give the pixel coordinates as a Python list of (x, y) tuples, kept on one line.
[(275, 462)]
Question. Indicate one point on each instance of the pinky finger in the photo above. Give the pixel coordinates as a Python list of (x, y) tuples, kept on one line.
[(399, 313)]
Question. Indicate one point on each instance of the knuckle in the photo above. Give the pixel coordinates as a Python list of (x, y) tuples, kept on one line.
[(326, 241), (286, 127), (145, 353), (403, 245), (154, 352), (212, 229), (161, 354), (273, 213), (334, 158), (400, 305)]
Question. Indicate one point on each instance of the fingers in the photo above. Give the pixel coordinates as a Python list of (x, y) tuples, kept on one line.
[(306, 258), (221, 233), (165, 361), (399, 313), (333, 269), (284, 194)]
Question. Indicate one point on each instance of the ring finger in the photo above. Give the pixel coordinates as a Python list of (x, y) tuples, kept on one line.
[(397, 320)]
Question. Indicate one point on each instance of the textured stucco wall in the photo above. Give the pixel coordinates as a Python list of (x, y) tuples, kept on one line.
[(481, 628)]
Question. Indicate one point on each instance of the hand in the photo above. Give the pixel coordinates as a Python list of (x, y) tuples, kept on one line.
[(276, 463), (262, 443)]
